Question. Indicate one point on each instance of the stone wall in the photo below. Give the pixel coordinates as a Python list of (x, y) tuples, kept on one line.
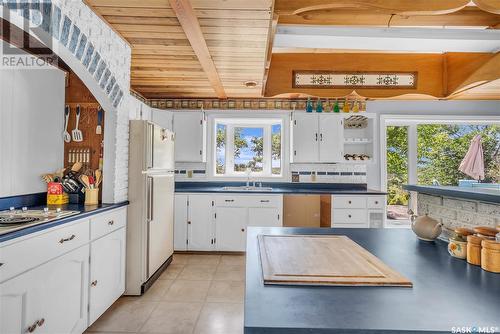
[(456, 212)]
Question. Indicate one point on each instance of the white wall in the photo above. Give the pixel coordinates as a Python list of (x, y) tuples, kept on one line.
[(31, 125), (431, 108)]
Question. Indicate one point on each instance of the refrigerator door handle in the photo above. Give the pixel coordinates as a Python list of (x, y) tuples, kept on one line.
[(149, 198), (150, 147)]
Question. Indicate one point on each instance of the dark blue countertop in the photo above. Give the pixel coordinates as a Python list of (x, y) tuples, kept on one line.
[(477, 194), (85, 211), (447, 292), (278, 188)]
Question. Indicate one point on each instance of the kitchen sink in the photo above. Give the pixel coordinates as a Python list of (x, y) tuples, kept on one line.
[(247, 188)]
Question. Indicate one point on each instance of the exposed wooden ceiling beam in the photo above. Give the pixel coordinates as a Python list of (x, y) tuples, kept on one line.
[(192, 29)]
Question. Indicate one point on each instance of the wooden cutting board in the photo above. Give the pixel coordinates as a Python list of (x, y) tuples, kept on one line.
[(323, 260)]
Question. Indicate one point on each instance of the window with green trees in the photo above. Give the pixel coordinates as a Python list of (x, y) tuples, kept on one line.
[(254, 146)]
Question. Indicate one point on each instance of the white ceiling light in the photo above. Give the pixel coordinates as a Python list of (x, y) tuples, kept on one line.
[(387, 39)]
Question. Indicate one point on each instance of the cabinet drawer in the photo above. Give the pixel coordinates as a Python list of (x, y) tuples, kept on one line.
[(349, 217), (255, 201), (29, 253), (107, 222), (376, 202), (345, 202)]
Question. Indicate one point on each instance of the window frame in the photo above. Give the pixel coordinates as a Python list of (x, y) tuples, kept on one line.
[(256, 120)]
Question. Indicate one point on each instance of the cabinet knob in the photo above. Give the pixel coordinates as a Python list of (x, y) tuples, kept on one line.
[(376, 202), (349, 216), (264, 201), (1, 264), (67, 239), (111, 222), (189, 223), (94, 283), (242, 230), (31, 328), (229, 200), (40, 322), (350, 202)]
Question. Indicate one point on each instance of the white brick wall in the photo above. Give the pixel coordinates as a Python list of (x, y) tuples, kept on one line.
[(110, 86), (455, 212)]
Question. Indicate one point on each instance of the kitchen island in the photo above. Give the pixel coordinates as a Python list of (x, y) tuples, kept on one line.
[(447, 293)]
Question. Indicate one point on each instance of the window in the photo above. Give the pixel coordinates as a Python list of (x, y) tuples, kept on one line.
[(248, 147)]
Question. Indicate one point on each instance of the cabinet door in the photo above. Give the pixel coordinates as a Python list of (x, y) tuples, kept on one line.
[(180, 222), (264, 217), (107, 272), (230, 229), (200, 223), (331, 138), (51, 298), (305, 138), (189, 128), (64, 293)]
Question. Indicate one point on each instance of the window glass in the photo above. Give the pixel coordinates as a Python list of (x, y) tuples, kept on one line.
[(276, 149), (221, 134), (248, 149)]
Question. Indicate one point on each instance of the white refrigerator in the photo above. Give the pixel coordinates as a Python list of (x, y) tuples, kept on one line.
[(150, 235)]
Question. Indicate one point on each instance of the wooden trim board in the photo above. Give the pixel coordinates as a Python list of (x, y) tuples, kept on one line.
[(333, 260)]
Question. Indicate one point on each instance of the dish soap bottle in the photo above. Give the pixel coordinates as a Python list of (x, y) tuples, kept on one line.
[(309, 106), (319, 106), (336, 107)]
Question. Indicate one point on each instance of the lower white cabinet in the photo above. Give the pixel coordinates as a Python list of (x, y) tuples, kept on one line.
[(63, 292), (107, 272), (359, 211), (51, 298), (230, 229), (218, 222)]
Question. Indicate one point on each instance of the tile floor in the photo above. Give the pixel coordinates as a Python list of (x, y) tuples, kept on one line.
[(197, 294)]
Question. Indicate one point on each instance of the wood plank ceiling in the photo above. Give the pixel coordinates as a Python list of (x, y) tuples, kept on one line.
[(164, 63), (212, 48)]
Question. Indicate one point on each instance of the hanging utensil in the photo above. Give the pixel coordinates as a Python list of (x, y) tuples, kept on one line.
[(77, 133), (98, 129), (85, 181), (76, 167), (66, 135)]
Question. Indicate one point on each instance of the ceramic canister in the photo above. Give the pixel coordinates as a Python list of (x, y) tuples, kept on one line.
[(457, 248)]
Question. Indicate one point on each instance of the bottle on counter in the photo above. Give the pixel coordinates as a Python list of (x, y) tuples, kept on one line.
[(319, 106), (336, 107), (346, 106)]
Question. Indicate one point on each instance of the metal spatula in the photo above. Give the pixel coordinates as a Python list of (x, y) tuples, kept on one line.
[(77, 133)]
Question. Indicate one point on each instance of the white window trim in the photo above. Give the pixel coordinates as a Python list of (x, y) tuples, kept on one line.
[(256, 119), (412, 121)]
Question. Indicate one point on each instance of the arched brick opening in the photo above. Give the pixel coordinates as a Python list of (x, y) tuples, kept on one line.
[(77, 36)]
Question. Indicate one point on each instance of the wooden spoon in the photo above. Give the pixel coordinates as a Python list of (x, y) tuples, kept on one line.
[(76, 167), (85, 180), (98, 178)]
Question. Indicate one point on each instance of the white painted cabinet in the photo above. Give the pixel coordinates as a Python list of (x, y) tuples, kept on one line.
[(264, 217), (49, 289), (331, 138), (190, 133), (358, 211), (107, 272), (180, 222), (230, 229), (51, 298), (193, 229), (210, 222), (305, 138), (317, 138)]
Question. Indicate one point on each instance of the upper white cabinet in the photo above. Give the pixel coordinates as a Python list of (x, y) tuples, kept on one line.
[(190, 132), (317, 138), (163, 118)]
